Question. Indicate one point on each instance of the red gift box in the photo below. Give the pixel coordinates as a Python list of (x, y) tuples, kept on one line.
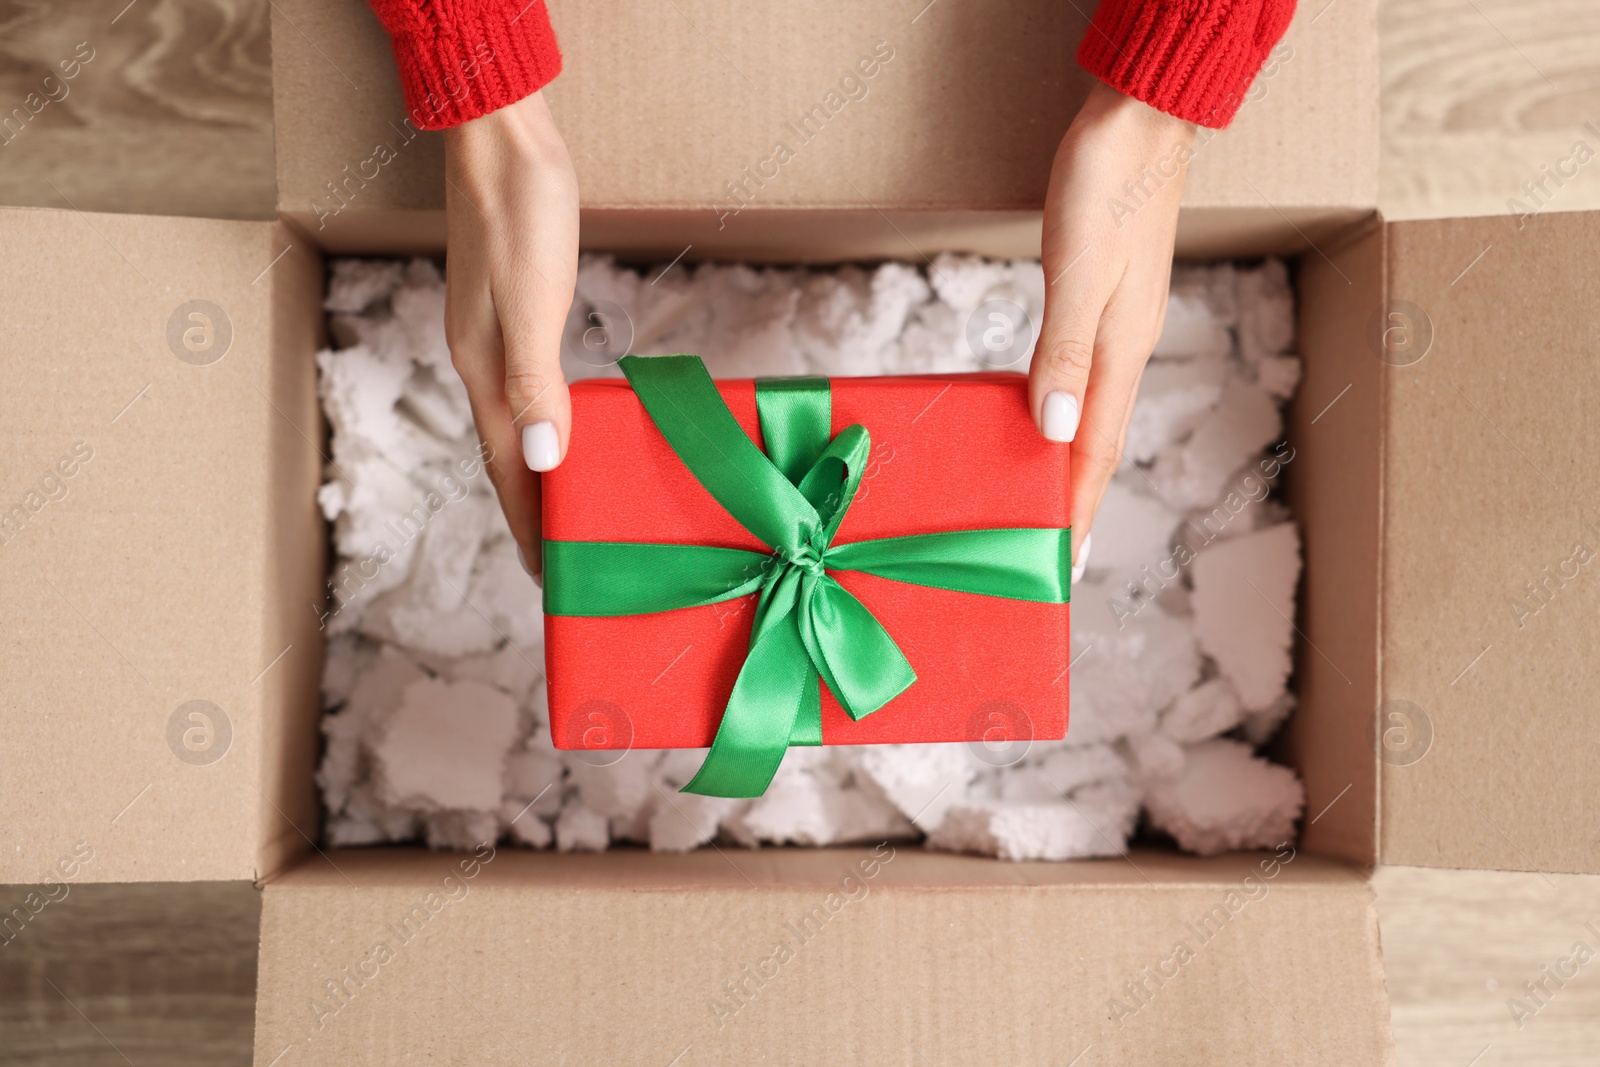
[(949, 452)]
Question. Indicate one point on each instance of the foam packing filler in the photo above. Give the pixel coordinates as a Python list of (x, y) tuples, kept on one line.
[(436, 724)]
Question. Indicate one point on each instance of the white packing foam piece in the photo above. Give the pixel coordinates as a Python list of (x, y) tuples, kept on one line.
[(964, 281), (444, 746), (1173, 397), (1132, 529), (1215, 285), (460, 831), (1169, 663), (1266, 311), (359, 388), (1019, 831), (1156, 757), (1278, 375), (934, 341), (373, 698), (1193, 474), (804, 808), (507, 595), (1227, 798), (437, 407), (524, 825), (685, 821), (418, 306), (580, 830), (1131, 658), (1067, 768), (1191, 329), (1095, 822), (367, 822), (1243, 606), (507, 668), (345, 658), (633, 826), (356, 284), (846, 320), (1262, 724), (751, 330), (615, 789), (534, 777), (433, 610), (921, 781), (1209, 709)]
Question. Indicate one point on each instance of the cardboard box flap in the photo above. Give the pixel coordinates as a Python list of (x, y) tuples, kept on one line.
[(155, 499), (1336, 434), (1491, 528), (886, 955), (713, 124)]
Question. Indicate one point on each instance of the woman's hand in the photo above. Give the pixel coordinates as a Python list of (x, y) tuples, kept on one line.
[(511, 205), (1109, 220)]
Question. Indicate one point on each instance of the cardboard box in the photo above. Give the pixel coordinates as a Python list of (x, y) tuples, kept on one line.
[(186, 554), (664, 106), (1443, 455)]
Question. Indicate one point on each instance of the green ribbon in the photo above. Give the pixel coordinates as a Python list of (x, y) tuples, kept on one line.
[(808, 628)]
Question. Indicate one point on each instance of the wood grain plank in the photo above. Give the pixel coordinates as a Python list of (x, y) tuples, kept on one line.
[(111, 974), (171, 113), (1477, 95), (1458, 945)]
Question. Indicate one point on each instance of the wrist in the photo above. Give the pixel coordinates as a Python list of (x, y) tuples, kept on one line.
[(1119, 115), (523, 133)]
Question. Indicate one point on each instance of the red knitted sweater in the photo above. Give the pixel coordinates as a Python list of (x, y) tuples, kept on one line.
[(1191, 58)]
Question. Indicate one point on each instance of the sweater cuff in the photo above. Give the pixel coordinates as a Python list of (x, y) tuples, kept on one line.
[(1194, 60), (483, 60)]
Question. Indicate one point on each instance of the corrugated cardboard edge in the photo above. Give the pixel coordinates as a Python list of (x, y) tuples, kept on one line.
[(297, 562), (843, 233), (1335, 491), (626, 957)]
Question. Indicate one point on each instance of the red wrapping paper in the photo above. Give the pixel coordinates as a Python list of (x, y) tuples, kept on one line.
[(949, 452)]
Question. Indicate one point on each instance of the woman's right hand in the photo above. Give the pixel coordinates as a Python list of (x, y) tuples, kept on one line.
[(511, 206)]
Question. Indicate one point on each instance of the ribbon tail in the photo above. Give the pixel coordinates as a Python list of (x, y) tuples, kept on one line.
[(855, 655), (774, 689)]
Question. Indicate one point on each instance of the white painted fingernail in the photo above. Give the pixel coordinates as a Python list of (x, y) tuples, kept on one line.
[(541, 449), (1083, 558), (522, 559), (1060, 416)]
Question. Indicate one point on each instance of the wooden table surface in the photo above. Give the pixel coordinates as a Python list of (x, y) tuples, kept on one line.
[(172, 115)]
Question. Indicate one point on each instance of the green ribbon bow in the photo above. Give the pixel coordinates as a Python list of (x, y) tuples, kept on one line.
[(807, 626)]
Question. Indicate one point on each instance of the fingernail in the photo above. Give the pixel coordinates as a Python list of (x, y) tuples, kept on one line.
[(522, 559), (1060, 417), (1083, 558), (541, 449)]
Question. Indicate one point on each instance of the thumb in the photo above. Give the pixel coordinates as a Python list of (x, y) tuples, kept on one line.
[(1059, 374), (531, 325)]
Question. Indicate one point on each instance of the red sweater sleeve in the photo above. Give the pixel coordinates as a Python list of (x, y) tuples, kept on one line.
[(460, 59), (1194, 59)]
